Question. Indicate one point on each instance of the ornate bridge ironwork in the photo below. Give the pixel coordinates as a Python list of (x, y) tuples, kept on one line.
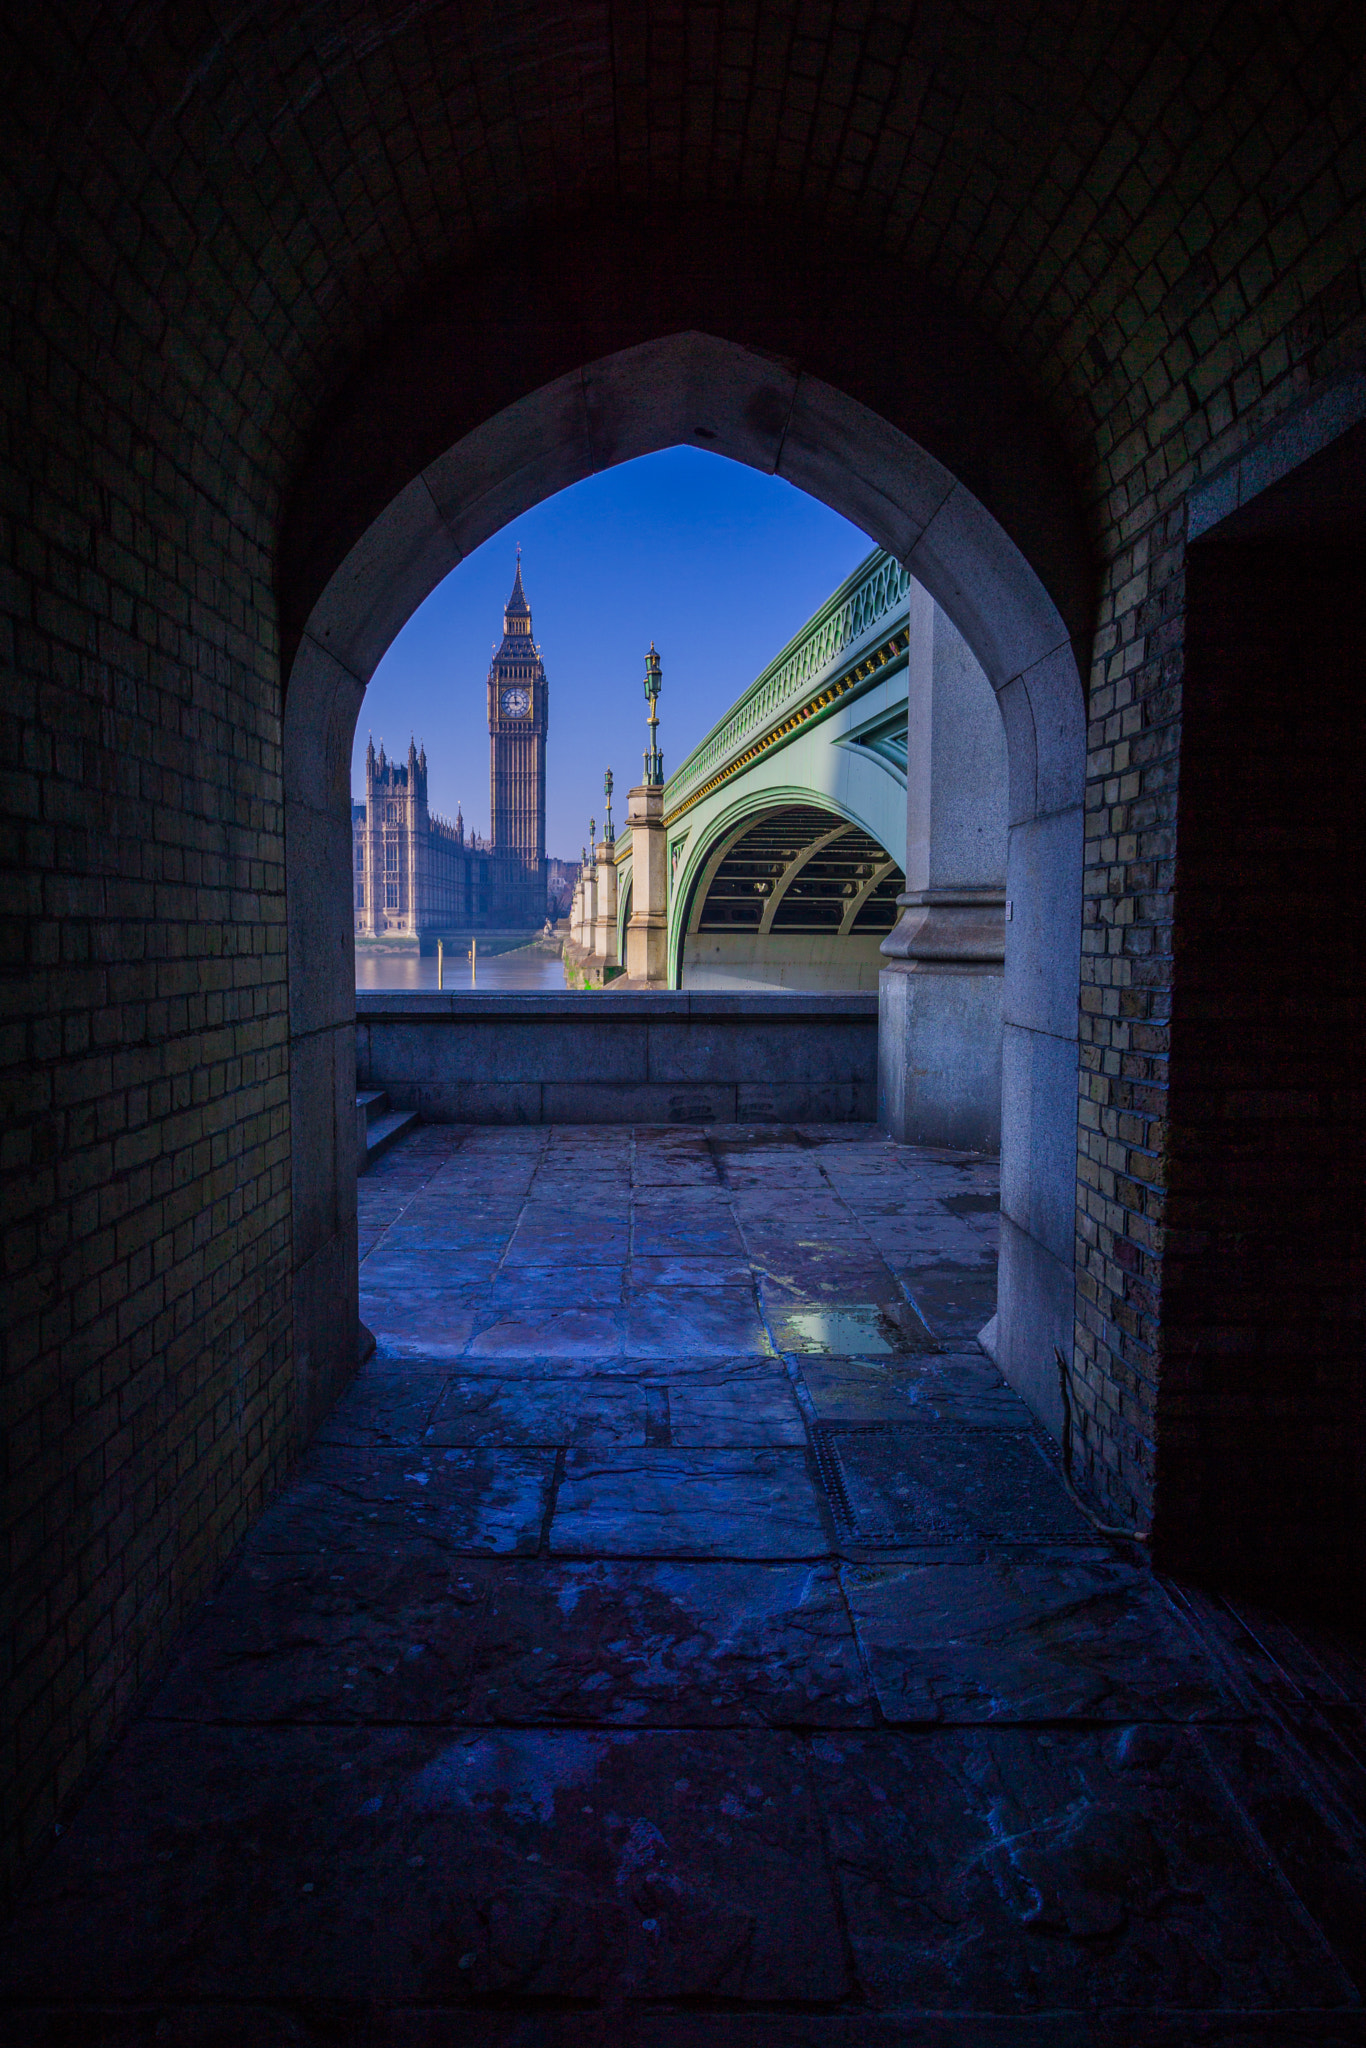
[(854, 634)]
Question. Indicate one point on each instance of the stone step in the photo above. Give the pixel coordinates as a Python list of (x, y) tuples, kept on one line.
[(371, 1102), (385, 1130)]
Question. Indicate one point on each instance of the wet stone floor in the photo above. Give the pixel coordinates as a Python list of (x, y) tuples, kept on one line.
[(678, 1634)]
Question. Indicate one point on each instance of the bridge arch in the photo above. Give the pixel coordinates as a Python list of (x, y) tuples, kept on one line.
[(724, 828), (904, 422)]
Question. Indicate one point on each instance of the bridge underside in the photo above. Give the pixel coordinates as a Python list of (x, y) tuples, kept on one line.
[(798, 898)]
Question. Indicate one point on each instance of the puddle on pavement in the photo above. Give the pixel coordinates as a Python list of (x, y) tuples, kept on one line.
[(867, 1331)]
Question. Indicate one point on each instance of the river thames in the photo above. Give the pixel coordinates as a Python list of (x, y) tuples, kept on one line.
[(522, 968)]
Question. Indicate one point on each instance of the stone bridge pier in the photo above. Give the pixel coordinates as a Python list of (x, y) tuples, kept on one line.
[(939, 1036)]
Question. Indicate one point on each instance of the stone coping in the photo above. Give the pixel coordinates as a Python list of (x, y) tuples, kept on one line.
[(596, 1006)]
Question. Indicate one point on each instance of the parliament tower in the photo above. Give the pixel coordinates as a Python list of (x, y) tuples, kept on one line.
[(518, 717)]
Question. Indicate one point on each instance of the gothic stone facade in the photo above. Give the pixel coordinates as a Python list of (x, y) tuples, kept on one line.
[(415, 872)]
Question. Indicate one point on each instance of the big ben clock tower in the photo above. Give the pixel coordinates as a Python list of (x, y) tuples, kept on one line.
[(518, 717)]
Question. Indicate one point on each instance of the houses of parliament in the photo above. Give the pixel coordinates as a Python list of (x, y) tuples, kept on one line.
[(417, 873)]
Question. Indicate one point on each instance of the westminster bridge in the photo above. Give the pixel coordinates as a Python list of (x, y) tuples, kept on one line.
[(785, 826)]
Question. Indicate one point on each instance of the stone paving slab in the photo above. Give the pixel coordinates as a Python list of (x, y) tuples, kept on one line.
[(956, 1300), (698, 2028), (713, 1411), (659, 1197), (406, 1864), (794, 1284), (382, 1406), (694, 1322), (1036, 1637), (566, 1523), (528, 1331), (646, 1275), (450, 1500), (718, 1503), (403, 1268), (1003, 1870), (961, 1387), (699, 1408), (437, 1327), (429, 2023), (1315, 1841), (450, 1227), (557, 1205), (429, 1639), (466, 1278), (675, 1170), (659, 1324), (815, 1226), (492, 1365), (1271, 1655), (564, 1285), (599, 1410), (539, 1246), (686, 1234), (790, 1176)]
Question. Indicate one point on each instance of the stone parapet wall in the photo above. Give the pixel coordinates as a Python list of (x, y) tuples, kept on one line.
[(631, 1058)]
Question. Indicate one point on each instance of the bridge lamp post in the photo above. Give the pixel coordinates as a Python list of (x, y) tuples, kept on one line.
[(647, 934), (590, 888), (605, 929), (654, 682)]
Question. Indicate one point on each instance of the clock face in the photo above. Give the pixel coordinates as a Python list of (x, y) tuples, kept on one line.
[(515, 703)]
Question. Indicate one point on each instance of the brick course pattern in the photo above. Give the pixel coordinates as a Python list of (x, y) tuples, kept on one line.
[(207, 216)]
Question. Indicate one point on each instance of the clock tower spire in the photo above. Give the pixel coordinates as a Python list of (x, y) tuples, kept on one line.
[(518, 719)]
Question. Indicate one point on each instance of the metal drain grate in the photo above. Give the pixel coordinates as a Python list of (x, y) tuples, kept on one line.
[(893, 1483)]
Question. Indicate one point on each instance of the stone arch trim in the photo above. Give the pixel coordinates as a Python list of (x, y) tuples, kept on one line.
[(478, 404), (1007, 566)]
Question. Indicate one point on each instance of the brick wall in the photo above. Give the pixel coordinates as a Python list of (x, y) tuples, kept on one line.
[(205, 220), (1238, 287), (146, 1134), (145, 1164)]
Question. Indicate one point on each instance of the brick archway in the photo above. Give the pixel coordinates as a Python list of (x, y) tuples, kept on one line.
[(949, 469)]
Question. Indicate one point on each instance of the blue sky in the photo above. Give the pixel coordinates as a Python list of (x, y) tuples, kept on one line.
[(716, 563)]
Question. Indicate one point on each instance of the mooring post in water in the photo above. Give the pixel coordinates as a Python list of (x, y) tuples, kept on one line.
[(440, 963)]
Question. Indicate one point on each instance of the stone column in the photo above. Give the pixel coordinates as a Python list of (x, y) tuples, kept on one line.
[(605, 923), (589, 907), (939, 1023), (647, 933)]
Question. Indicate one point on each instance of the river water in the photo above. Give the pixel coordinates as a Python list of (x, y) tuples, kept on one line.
[(522, 969)]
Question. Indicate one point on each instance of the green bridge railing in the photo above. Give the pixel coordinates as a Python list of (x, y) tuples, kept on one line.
[(874, 593)]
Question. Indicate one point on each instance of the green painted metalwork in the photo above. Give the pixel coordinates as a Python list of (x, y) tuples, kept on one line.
[(789, 686), (820, 725)]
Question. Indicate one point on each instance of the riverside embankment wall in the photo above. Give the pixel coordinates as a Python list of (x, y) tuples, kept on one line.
[(628, 1058)]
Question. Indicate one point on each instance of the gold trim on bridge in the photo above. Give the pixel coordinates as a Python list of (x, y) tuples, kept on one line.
[(861, 672)]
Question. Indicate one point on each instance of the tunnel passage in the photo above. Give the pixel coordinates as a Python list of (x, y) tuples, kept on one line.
[(798, 897), (356, 562), (214, 216)]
